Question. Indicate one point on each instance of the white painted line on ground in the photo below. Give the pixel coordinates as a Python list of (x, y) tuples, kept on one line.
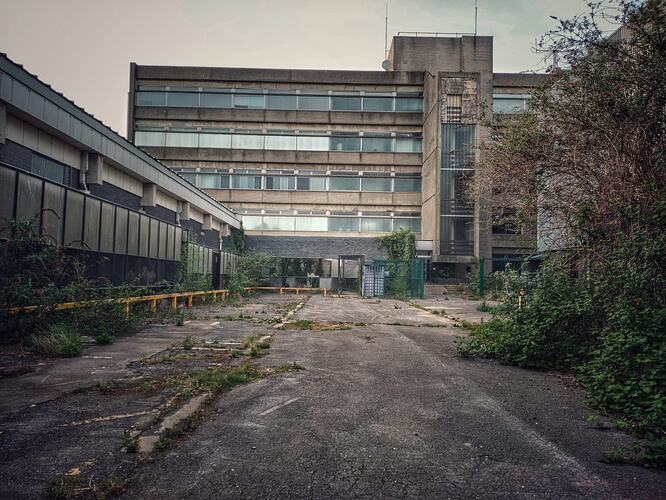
[(277, 407), (215, 323), (97, 357)]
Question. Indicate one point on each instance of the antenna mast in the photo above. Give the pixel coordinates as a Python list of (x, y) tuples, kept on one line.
[(475, 15), (386, 32)]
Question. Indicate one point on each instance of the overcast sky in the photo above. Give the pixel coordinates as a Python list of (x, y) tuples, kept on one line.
[(83, 47)]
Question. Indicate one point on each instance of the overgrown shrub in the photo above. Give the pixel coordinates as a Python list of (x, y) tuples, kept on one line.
[(61, 339), (253, 269)]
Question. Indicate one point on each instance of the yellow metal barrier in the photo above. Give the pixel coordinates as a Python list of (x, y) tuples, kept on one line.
[(173, 297)]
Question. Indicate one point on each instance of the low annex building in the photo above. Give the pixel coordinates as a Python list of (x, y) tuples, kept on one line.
[(90, 190)]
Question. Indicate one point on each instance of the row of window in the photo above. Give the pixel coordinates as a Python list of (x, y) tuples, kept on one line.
[(303, 183), (279, 140), (333, 224), (385, 102)]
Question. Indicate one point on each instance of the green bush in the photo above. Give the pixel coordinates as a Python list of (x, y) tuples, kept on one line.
[(606, 325), (61, 339)]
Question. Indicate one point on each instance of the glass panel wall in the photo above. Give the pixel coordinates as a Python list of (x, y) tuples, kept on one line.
[(344, 183), (375, 225), (343, 224), (345, 143), (375, 184), (307, 100), (311, 184), (377, 144), (319, 223), (282, 182), (247, 181), (311, 224), (407, 185)]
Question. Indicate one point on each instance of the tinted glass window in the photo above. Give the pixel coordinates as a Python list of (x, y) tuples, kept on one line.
[(377, 144), (311, 102), (344, 183), (215, 100), (183, 99), (376, 184), (144, 98), (281, 101), (339, 103), (377, 103), (345, 143), (343, 224)]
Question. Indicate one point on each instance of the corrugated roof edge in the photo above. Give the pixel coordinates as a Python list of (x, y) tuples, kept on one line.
[(115, 136)]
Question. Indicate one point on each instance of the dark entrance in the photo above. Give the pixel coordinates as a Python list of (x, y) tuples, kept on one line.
[(217, 260), (350, 273)]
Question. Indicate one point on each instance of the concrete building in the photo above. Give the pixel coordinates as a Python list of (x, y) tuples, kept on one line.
[(319, 163), (90, 190)]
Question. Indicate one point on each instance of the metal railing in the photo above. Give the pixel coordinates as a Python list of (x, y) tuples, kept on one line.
[(434, 33)]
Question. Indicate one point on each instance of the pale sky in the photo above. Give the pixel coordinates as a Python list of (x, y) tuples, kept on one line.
[(83, 47)]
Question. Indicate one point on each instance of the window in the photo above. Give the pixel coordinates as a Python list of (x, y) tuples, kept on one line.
[(403, 145), (278, 223), (183, 99), (343, 224), (406, 185), (282, 182), (189, 177), (371, 103), (280, 101), (281, 142), (344, 183), (252, 222), (221, 100), (182, 139), (144, 98), (375, 184), (311, 184), (47, 168), (377, 144), (213, 181), (375, 225), (247, 141), (212, 140), (507, 104), (149, 138), (247, 181), (313, 102), (248, 100), (312, 143), (345, 103), (311, 224), (345, 143), (412, 224), (408, 104)]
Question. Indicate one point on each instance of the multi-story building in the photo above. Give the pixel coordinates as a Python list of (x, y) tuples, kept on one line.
[(318, 163), (88, 189)]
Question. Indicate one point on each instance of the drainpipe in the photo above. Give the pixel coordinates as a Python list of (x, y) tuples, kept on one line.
[(83, 170)]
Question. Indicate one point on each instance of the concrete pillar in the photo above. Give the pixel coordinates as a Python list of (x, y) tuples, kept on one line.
[(224, 229), (207, 222), (3, 123), (184, 211), (149, 198), (95, 174)]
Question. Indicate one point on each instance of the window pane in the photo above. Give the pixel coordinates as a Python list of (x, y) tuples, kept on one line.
[(343, 224), (407, 185), (373, 225), (215, 100), (281, 101), (148, 138), (413, 224), (409, 104), (377, 144), (503, 105), (189, 177), (344, 183), (345, 143), (376, 184), (339, 103), (183, 99), (182, 139), (247, 181), (247, 141), (310, 143), (408, 145), (248, 101), (278, 223), (311, 102), (210, 181), (281, 142), (215, 141), (311, 224), (151, 98), (224, 182), (279, 182), (252, 222), (377, 103), (311, 184)]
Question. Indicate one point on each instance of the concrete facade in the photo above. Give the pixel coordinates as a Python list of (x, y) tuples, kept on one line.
[(338, 154)]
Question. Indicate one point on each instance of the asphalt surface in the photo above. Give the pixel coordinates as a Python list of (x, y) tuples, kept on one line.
[(389, 411)]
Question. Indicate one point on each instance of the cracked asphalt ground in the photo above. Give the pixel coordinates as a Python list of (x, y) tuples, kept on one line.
[(384, 409)]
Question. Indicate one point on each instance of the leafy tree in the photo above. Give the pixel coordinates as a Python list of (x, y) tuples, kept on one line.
[(399, 244)]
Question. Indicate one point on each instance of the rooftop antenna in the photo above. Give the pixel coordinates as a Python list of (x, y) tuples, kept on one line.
[(386, 63), (476, 9)]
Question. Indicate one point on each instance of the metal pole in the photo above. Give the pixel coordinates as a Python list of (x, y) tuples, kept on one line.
[(482, 277)]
